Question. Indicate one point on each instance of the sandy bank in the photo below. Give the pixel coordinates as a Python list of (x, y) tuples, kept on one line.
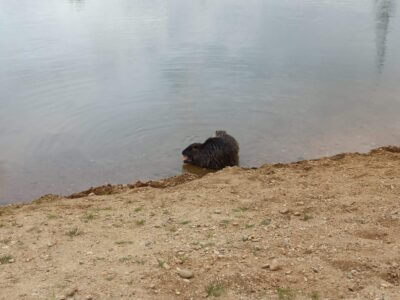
[(320, 229)]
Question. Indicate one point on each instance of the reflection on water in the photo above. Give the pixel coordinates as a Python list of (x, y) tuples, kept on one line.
[(112, 91), (384, 11)]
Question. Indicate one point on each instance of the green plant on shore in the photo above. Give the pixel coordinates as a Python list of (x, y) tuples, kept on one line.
[(137, 209), (140, 222), (241, 209), (314, 295), (5, 259), (265, 222), (286, 294), (123, 242), (74, 232), (161, 263), (215, 289), (88, 217)]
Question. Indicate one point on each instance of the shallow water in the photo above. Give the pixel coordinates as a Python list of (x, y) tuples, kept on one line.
[(112, 91)]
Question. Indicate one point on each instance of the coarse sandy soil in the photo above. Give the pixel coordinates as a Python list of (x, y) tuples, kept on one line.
[(316, 229)]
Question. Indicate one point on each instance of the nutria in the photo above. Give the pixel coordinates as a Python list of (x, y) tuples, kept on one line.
[(215, 153)]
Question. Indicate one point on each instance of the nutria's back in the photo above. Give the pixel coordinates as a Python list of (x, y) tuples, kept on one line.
[(215, 153)]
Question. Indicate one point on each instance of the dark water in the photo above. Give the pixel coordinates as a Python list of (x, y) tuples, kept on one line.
[(111, 91)]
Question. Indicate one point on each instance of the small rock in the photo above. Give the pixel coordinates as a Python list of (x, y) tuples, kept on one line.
[(89, 297), (184, 273), (275, 265), (284, 211), (266, 266), (71, 292), (217, 211), (92, 194), (166, 266), (296, 213)]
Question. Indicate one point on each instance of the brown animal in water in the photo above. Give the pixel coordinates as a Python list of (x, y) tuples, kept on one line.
[(215, 153)]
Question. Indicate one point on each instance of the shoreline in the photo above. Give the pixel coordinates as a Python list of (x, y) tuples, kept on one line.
[(324, 228), (111, 189)]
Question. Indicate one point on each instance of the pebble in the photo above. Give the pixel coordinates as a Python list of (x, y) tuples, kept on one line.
[(275, 265), (284, 211), (71, 292), (184, 273), (266, 266), (217, 211), (296, 213)]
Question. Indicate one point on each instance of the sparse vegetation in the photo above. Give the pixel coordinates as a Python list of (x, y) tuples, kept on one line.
[(5, 259), (137, 209), (123, 242), (88, 217), (215, 289), (307, 217), (125, 259), (51, 216), (185, 222), (314, 295), (74, 232), (140, 222), (241, 209), (286, 294), (161, 263), (265, 222)]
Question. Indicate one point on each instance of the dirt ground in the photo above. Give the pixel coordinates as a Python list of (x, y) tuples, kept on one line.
[(319, 229)]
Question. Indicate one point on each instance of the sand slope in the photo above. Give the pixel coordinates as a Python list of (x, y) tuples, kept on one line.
[(322, 229)]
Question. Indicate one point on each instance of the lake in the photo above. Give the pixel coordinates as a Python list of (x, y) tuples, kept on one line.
[(112, 91)]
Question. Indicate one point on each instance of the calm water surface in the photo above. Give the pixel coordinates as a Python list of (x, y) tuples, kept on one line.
[(112, 91)]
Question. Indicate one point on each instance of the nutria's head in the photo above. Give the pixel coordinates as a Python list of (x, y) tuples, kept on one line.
[(192, 153)]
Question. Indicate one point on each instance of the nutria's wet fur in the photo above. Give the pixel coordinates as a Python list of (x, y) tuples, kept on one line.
[(215, 153)]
